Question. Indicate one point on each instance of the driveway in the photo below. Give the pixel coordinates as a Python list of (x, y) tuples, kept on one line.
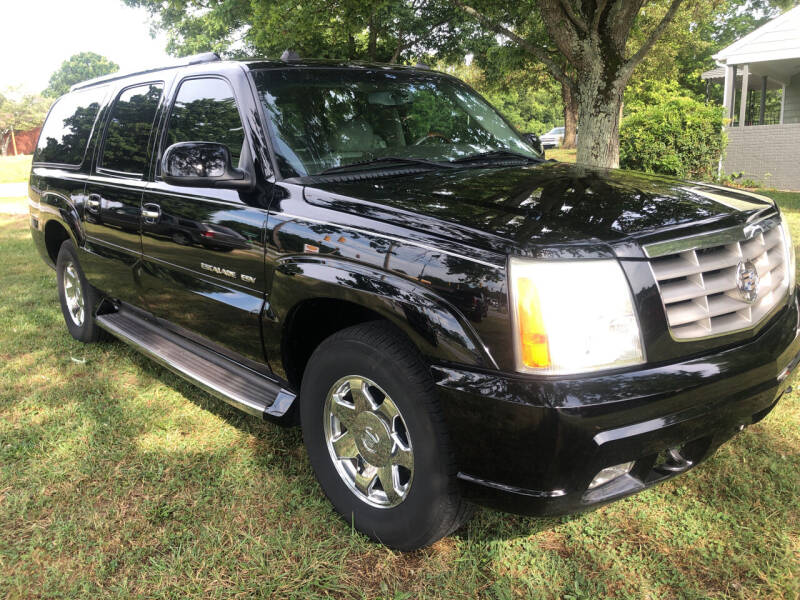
[(14, 198), (13, 190)]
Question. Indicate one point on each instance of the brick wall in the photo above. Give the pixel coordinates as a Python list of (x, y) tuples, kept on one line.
[(26, 142), (769, 154)]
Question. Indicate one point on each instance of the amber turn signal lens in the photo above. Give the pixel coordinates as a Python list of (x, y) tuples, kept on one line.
[(533, 336)]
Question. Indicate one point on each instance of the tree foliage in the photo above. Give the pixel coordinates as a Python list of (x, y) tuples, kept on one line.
[(78, 67), (376, 30), (20, 112), (591, 49)]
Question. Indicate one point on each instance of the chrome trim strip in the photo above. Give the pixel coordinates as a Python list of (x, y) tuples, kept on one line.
[(229, 283), (510, 488), (107, 244), (714, 238)]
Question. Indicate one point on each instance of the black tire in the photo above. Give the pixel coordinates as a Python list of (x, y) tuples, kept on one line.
[(433, 507), (67, 266)]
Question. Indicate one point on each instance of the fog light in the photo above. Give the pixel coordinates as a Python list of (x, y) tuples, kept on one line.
[(610, 473)]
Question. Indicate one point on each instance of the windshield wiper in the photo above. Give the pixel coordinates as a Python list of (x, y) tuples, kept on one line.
[(497, 154), (402, 160)]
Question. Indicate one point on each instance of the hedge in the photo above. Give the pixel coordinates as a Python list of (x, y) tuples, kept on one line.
[(679, 136)]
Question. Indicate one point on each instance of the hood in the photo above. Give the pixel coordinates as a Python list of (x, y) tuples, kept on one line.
[(546, 205)]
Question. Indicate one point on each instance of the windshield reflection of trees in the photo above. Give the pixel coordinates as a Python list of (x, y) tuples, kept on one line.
[(340, 117)]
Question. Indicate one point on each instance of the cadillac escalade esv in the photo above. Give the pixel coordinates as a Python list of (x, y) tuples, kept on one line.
[(373, 252)]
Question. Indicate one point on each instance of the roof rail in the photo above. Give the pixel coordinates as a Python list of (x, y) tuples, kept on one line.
[(194, 59)]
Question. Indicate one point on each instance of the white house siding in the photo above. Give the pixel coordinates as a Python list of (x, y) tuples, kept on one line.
[(775, 40), (769, 154), (791, 106)]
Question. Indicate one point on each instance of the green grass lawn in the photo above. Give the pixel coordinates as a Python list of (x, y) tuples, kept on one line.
[(14, 168), (118, 479), (561, 154)]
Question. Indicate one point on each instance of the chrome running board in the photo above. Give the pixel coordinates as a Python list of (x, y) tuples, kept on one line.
[(227, 380)]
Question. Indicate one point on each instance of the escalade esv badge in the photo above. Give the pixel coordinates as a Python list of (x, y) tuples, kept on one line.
[(747, 281)]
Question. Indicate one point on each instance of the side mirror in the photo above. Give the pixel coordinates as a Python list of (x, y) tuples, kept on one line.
[(202, 164), (533, 141)]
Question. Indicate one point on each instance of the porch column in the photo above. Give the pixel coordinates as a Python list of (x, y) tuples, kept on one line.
[(763, 100), (743, 100), (729, 94), (783, 102)]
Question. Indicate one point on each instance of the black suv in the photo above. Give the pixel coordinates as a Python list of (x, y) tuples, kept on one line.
[(373, 251)]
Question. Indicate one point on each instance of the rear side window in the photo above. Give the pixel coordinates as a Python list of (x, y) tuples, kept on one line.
[(66, 131), (205, 111), (128, 130)]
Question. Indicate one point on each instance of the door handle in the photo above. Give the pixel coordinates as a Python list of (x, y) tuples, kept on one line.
[(151, 213), (93, 203)]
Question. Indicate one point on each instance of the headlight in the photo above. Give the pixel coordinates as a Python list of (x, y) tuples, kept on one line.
[(572, 316), (788, 254)]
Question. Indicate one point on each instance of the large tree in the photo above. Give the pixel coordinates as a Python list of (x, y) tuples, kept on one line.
[(78, 67), (594, 58)]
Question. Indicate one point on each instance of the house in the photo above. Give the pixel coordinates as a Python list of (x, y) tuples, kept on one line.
[(761, 74), (25, 142)]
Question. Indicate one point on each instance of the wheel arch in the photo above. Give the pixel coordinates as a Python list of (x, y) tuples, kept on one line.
[(313, 298), (60, 223)]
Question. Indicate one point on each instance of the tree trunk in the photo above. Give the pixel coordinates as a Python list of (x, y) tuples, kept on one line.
[(372, 43), (13, 141), (570, 116), (592, 38), (397, 51), (599, 110)]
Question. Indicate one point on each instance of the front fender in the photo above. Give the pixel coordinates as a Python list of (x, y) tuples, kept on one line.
[(438, 330)]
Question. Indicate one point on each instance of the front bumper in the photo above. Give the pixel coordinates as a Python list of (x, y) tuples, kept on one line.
[(532, 446)]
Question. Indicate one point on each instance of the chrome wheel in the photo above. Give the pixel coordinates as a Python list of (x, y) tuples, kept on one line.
[(368, 441), (73, 294)]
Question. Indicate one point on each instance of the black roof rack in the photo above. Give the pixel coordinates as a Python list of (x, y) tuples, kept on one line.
[(194, 59)]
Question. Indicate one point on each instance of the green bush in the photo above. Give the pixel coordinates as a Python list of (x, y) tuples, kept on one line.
[(678, 136)]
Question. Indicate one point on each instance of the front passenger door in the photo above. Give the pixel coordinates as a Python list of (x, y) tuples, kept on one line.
[(203, 248)]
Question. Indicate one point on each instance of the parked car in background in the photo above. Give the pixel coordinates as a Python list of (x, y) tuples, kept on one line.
[(373, 252), (553, 138)]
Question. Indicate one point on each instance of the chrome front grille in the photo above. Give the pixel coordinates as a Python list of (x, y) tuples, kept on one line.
[(699, 278)]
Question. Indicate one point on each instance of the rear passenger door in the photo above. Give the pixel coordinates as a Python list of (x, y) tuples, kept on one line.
[(114, 190), (203, 248)]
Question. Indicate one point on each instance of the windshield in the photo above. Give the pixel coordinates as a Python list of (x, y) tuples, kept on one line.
[(323, 118)]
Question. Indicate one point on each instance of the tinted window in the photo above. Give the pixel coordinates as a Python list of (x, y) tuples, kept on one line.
[(323, 118), (66, 132), (128, 131), (205, 111)]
